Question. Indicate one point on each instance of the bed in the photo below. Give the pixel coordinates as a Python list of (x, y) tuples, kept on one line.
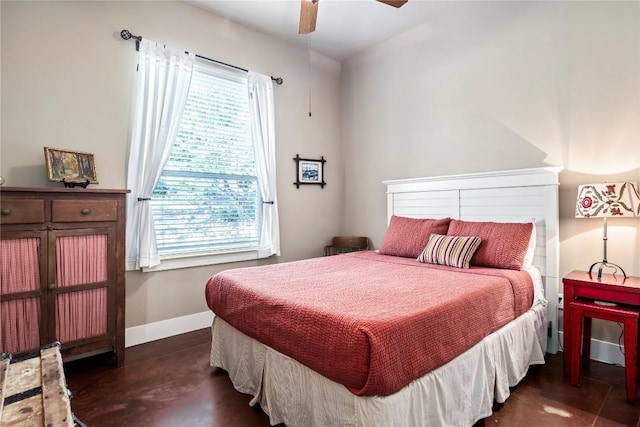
[(387, 338)]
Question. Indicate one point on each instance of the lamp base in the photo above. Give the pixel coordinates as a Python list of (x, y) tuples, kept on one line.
[(603, 264)]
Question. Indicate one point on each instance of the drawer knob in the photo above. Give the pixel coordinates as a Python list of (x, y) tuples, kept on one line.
[(5, 211), (85, 211)]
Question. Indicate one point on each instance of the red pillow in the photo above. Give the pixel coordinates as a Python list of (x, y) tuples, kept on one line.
[(407, 237), (504, 244)]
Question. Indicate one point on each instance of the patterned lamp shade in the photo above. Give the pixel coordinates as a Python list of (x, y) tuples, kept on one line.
[(618, 199)]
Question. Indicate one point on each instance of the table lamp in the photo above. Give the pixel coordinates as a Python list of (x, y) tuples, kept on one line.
[(608, 200)]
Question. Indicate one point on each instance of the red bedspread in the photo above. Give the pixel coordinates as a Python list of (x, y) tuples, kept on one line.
[(371, 322)]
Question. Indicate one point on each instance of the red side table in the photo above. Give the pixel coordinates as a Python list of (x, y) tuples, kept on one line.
[(582, 289)]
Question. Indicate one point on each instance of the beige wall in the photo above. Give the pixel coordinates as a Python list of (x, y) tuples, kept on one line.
[(502, 85), (68, 80), (482, 86)]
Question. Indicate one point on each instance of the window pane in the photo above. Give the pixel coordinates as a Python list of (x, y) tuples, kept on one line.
[(207, 198)]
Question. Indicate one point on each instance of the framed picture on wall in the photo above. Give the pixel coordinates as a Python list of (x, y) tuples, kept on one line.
[(73, 168), (309, 171)]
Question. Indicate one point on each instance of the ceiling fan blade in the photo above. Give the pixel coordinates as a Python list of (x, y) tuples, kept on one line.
[(308, 16), (394, 3)]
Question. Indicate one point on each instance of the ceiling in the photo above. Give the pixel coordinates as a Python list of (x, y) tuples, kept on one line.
[(343, 28)]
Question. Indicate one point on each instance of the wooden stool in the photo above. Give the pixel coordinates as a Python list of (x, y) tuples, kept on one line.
[(588, 310)]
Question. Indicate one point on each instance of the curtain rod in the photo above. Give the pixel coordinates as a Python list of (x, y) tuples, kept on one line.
[(125, 34)]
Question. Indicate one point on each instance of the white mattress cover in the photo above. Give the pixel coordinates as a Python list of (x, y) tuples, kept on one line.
[(456, 394), (538, 286)]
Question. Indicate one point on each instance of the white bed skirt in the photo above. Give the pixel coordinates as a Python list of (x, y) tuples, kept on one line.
[(456, 394)]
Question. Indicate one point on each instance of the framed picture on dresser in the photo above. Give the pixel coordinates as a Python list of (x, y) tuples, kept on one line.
[(70, 166)]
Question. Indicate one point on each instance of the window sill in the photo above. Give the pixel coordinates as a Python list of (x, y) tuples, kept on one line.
[(201, 260)]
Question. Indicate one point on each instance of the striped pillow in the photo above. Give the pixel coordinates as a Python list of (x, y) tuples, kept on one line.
[(454, 251)]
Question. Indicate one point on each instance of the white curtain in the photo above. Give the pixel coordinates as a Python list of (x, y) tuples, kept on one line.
[(262, 112), (164, 75)]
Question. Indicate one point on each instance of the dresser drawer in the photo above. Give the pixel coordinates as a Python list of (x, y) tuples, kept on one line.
[(21, 211), (84, 210)]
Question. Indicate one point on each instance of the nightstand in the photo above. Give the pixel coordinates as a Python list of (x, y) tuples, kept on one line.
[(613, 298)]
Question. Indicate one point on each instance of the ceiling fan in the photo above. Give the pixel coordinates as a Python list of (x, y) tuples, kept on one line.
[(309, 13)]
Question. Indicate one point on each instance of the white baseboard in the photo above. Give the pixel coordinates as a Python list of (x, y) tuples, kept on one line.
[(167, 328), (603, 351), (600, 350)]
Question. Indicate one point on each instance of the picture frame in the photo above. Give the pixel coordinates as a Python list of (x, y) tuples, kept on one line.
[(73, 168), (309, 171)]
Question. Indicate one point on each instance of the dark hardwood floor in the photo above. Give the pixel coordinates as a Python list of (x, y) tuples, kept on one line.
[(170, 383)]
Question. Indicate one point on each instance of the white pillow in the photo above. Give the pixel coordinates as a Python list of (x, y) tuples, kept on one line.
[(528, 256)]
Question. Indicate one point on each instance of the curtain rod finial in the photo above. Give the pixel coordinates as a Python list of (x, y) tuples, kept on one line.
[(126, 34)]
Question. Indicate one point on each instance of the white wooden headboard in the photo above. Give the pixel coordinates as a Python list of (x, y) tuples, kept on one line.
[(503, 196)]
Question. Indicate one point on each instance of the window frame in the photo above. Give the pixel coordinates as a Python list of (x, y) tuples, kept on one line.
[(187, 261)]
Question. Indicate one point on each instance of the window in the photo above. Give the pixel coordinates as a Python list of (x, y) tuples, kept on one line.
[(215, 200), (207, 200)]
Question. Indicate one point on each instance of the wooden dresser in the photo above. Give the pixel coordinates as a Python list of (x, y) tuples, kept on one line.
[(62, 269)]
